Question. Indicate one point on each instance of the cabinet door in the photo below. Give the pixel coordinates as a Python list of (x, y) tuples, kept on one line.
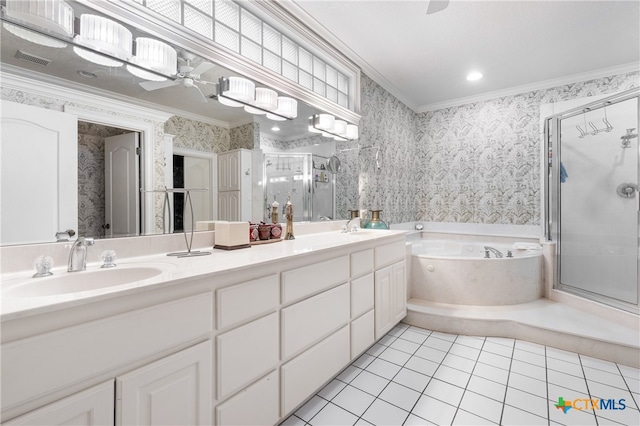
[(383, 298), (223, 172), (223, 206), (176, 390), (399, 309), (234, 205), (91, 407)]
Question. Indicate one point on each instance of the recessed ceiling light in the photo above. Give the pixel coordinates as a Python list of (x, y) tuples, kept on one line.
[(474, 75), (275, 128)]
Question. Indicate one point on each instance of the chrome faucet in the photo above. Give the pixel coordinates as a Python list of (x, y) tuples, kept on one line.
[(78, 254), (495, 251), (352, 225)]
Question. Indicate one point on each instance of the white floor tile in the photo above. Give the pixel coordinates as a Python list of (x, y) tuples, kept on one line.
[(412, 379), (627, 416), (431, 354), (395, 356), (364, 360), (332, 389), (487, 371), (527, 369), (369, 383), (481, 406), (437, 343), (414, 420), (311, 408), (413, 336), (599, 364), (353, 400), (554, 392), (332, 415), (631, 372), (464, 351), (405, 345), (362, 422), (495, 360), (384, 368), (421, 365), (632, 384), (529, 357), (530, 347), (567, 381), (497, 348), (600, 376), (293, 421), (487, 388), (464, 418), (376, 349), (444, 336), (387, 340), (533, 404), (565, 367), (445, 392), (420, 330), (400, 396), (434, 410), (598, 390), (453, 376), (471, 341), (572, 417), (382, 413), (397, 331), (563, 355), (505, 341), (515, 416), (527, 384), (348, 374), (459, 363)]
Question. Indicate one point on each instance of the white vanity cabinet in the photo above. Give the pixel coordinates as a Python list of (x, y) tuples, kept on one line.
[(234, 185), (390, 287)]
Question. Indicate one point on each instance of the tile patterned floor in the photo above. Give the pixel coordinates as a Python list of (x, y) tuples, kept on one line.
[(414, 376)]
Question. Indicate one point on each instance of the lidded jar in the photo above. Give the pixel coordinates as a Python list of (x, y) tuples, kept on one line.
[(375, 222)]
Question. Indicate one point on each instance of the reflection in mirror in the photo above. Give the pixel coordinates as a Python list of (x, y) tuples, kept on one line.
[(131, 96)]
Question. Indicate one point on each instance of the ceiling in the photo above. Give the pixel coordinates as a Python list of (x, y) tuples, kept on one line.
[(423, 59)]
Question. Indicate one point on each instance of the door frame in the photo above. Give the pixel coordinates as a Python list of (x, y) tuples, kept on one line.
[(213, 175)]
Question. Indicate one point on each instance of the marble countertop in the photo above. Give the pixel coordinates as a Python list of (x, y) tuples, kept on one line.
[(172, 271)]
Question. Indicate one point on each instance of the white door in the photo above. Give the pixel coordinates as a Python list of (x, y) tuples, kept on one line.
[(176, 390), (122, 185), (197, 175), (38, 173)]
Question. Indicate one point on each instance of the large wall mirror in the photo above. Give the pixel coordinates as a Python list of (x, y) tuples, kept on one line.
[(131, 140)]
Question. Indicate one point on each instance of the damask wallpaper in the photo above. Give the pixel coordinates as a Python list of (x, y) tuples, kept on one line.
[(243, 136), (197, 135)]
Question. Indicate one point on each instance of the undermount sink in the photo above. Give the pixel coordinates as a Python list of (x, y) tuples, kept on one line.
[(74, 282)]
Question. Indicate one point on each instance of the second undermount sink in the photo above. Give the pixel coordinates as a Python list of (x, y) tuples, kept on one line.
[(74, 282)]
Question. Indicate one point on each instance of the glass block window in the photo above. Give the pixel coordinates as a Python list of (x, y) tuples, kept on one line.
[(228, 24)]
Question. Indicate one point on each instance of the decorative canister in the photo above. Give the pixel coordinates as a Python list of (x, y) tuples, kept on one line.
[(375, 222), (264, 231), (276, 231), (253, 232)]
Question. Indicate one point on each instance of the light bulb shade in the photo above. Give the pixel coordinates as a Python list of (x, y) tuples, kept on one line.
[(340, 127), (240, 89), (265, 99), (53, 16), (287, 107), (352, 131), (314, 130), (155, 55), (105, 36), (325, 122)]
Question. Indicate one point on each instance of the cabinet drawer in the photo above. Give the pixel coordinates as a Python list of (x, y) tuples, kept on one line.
[(255, 405), (302, 282), (311, 320), (246, 353), (362, 333), (361, 295), (390, 253), (48, 362), (361, 262), (303, 375), (248, 300)]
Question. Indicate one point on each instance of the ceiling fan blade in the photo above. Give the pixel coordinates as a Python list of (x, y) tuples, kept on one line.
[(436, 6), (155, 85), (195, 93), (202, 68)]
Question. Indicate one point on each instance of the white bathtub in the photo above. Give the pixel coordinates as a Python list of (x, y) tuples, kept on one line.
[(457, 272)]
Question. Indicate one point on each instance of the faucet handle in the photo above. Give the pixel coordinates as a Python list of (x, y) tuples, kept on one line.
[(43, 265), (109, 259)]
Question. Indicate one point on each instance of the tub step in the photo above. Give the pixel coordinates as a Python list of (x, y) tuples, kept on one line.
[(542, 321)]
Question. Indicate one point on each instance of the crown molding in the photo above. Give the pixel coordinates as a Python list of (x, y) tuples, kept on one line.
[(44, 85), (545, 84)]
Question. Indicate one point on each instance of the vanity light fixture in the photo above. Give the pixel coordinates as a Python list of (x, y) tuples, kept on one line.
[(238, 91), (330, 127), (235, 91), (287, 109), (102, 35), (474, 75), (53, 16), (154, 55), (266, 99)]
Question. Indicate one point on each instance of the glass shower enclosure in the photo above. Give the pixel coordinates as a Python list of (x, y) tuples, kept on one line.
[(305, 179), (592, 201)]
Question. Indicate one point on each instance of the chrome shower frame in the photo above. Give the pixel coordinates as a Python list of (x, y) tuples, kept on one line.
[(551, 201)]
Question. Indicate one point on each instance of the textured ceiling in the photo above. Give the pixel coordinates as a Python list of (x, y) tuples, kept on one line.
[(424, 59)]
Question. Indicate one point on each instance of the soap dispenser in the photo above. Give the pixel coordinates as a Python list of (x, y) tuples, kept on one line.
[(288, 214)]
